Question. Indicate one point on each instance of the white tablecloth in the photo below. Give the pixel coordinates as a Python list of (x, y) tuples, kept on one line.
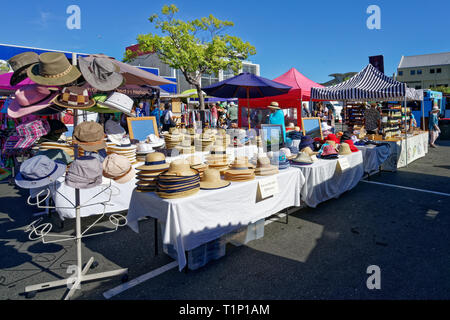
[(195, 220), (324, 182), (374, 157), (245, 151), (417, 148)]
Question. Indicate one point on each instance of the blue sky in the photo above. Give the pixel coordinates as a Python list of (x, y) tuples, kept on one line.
[(316, 37)]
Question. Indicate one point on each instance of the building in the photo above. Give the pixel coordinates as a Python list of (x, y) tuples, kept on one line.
[(151, 61), (425, 71), (338, 78)]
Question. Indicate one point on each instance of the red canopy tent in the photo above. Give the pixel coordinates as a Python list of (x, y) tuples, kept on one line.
[(301, 91)]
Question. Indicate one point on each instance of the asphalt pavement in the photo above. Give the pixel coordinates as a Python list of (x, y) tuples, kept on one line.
[(322, 253)]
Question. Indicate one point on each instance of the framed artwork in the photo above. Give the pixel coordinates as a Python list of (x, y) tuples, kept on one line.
[(176, 105), (272, 135), (312, 127), (140, 128)]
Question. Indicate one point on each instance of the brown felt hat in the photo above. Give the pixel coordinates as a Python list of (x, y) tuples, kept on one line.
[(20, 64), (90, 136)]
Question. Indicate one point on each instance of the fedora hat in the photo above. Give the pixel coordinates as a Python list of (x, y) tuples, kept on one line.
[(240, 166), (29, 99), (114, 131), (118, 168), (344, 149), (39, 171), (120, 102), (74, 98), (53, 69), (101, 73), (180, 168), (20, 64), (90, 136), (274, 105), (84, 173), (144, 148), (211, 180), (155, 161)]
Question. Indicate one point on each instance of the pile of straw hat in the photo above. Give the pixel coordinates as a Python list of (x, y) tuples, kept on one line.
[(204, 142), (264, 168), (196, 163), (155, 163), (211, 180), (218, 159), (55, 145), (179, 181), (185, 147), (127, 150), (173, 138), (240, 170)]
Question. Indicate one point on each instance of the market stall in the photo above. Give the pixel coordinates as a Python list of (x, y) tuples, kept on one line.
[(372, 85), (300, 91)]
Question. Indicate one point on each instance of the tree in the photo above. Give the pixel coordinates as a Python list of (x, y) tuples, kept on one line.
[(194, 47)]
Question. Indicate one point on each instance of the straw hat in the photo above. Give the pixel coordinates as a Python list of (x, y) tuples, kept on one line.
[(211, 180), (154, 161), (344, 149), (179, 181), (303, 159), (274, 105), (264, 168), (118, 168), (240, 166), (309, 151)]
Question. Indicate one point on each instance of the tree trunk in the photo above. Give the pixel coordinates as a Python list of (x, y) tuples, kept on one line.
[(201, 99)]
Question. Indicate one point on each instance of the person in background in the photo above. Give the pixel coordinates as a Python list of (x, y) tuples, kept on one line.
[(372, 119), (331, 116), (214, 115), (155, 112), (277, 117), (167, 118), (232, 113), (305, 111), (433, 125)]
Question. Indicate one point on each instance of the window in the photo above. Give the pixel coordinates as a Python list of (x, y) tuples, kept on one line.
[(400, 73), (419, 71), (413, 72), (438, 70), (431, 70)]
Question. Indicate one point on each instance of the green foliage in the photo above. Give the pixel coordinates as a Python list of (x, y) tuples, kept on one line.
[(194, 47), (441, 89)]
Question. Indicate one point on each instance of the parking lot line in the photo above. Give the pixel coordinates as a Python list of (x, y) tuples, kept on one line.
[(407, 188)]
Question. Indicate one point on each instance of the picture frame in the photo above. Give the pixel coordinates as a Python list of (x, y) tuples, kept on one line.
[(271, 135), (140, 128), (312, 127)]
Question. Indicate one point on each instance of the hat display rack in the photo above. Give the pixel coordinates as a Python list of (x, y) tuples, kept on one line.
[(42, 231)]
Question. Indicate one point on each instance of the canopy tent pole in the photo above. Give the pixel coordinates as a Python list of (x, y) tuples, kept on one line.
[(299, 110), (248, 107), (422, 105), (406, 132)]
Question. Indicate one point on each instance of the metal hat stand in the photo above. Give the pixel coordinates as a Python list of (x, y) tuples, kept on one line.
[(80, 273)]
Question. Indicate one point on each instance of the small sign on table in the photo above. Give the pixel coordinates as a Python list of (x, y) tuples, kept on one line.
[(268, 187)]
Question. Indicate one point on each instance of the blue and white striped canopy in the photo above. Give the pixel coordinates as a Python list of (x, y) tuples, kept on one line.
[(368, 85)]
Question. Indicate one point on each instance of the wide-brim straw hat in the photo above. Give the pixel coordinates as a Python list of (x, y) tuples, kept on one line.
[(274, 105), (178, 195), (180, 168), (53, 69), (309, 151), (211, 180), (303, 159), (154, 162)]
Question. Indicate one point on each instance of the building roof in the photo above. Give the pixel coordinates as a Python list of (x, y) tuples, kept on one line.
[(425, 60)]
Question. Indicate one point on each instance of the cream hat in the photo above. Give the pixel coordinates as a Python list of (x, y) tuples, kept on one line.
[(211, 180), (344, 149), (118, 168), (274, 105)]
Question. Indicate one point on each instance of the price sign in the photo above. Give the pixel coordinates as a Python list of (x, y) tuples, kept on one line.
[(268, 187), (343, 164)]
